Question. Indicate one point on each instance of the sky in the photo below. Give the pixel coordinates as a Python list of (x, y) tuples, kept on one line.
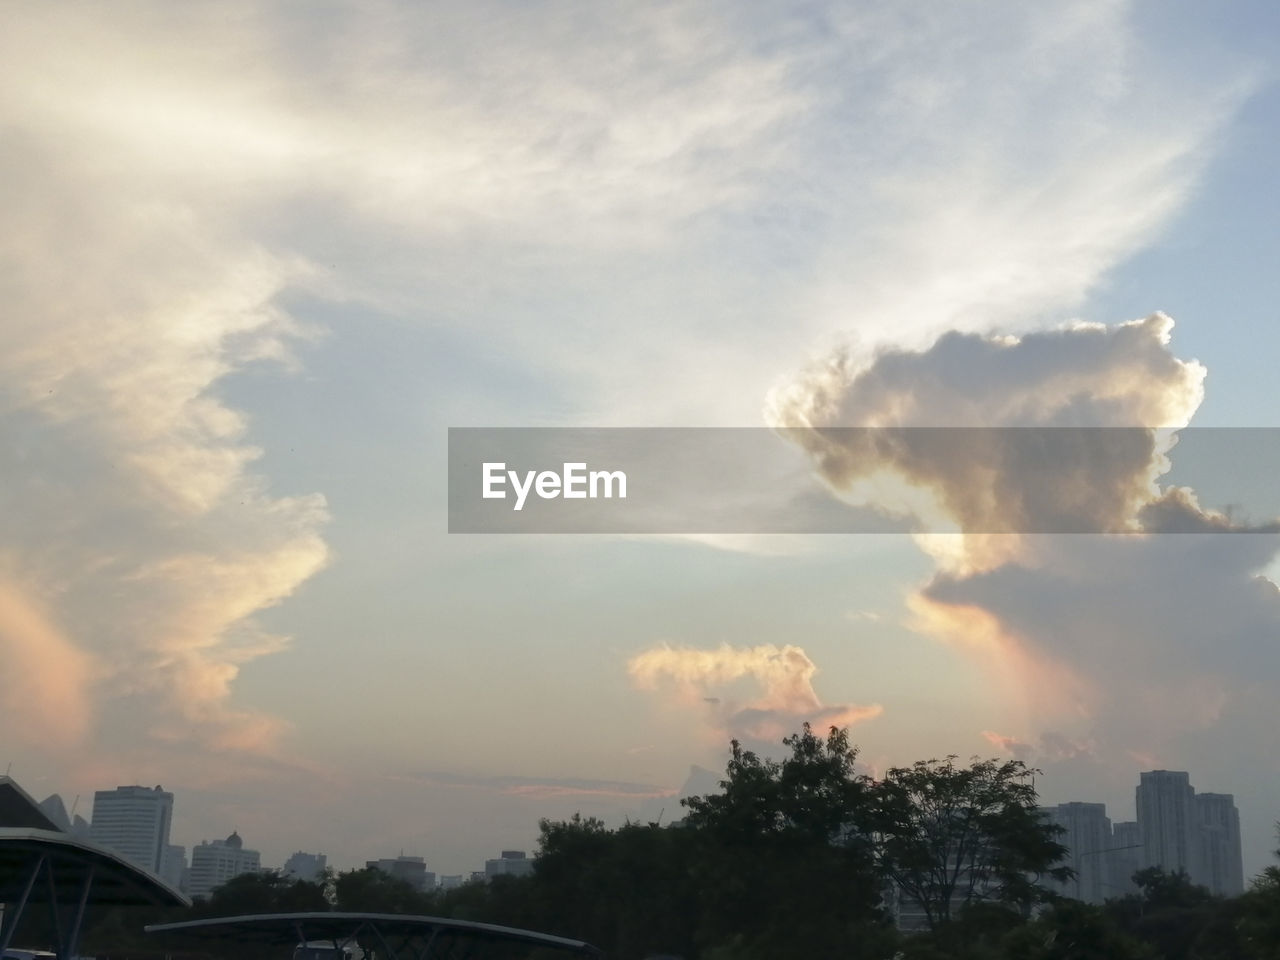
[(258, 258)]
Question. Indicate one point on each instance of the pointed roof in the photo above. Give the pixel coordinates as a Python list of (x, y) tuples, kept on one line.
[(56, 810), (19, 809)]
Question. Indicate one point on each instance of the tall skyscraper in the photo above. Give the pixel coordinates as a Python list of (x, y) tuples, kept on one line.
[(1126, 857), (1220, 859), (1089, 842), (134, 822), (1169, 821), (215, 862)]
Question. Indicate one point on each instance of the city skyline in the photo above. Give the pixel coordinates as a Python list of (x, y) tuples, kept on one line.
[(1176, 829), (1212, 859), (259, 260)]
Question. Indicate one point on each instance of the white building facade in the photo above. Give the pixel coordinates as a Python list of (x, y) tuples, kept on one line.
[(215, 862), (1221, 863), (134, 822), (1169, 821), (1088, 839)]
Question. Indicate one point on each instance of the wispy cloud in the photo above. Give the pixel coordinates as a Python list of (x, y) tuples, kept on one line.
[(131, 301), (783, 676), (1050, 747), (541, 787)]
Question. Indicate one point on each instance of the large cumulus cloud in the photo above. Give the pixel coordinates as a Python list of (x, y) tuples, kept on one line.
[(1123, 645)]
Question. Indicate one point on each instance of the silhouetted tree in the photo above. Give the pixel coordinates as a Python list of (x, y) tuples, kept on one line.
[(377, 891), (629, 890), (1169, 912), (784, 867), (950, 836), (1259, 914), (265, 892), (1071, 930)]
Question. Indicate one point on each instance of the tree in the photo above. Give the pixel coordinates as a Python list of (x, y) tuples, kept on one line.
[(264, 892), (1172, 914), (782, 862), (816, 793), (1259, 911), (629, 891), (1069, 930), (377, 891), (951, 836)]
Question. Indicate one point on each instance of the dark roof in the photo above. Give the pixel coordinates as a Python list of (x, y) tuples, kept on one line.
[(116, 881), (19, 809), (293, 928)]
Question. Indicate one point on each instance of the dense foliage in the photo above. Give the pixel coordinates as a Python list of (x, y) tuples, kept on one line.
[(950, 836)]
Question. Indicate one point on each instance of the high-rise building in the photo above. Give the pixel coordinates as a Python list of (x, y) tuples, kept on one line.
[(412, 870), (134, 822), (173, 866), (511, 863), (1169, 821), (1089, 842), (1127, 851), (1222, 869), (304, 866), (215, 862)]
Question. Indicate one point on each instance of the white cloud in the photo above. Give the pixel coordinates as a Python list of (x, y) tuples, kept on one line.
[(654, 209), (705, 678), (996, 477), (135, 507), (872, 170), (1129, 643)]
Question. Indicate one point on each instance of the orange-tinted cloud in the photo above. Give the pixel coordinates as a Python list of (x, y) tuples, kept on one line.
[(140, 505), (782, 675), (46, 690)]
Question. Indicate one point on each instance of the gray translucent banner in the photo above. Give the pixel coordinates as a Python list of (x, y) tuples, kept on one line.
[(863, 480)]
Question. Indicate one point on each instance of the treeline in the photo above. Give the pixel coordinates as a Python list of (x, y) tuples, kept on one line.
[(799, 858)]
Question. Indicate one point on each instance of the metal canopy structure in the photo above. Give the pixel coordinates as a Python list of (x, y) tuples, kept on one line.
[(40, 864), (66, 875), (391, 936)]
